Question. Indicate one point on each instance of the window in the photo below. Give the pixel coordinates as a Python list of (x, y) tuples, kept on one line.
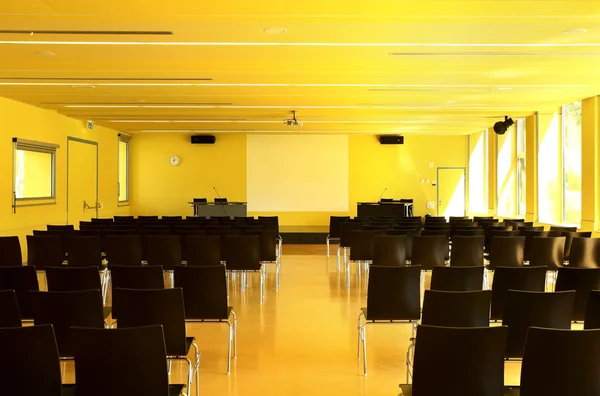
[(34, 173), (549, 191), (477, 173), (506, 171), (571, 165), (123, 168), (521, 169)]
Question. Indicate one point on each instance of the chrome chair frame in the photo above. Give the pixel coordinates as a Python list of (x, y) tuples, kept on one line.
[(244, 279)]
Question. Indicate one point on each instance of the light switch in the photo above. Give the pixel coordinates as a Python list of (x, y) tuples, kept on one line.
[(431, 164), (430, 205)]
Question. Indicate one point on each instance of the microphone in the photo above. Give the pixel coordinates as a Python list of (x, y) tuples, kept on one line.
[(222, 203), (383, 192)]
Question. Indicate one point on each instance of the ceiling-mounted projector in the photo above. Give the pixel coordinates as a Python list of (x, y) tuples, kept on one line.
[(502, 126), (293, 121)]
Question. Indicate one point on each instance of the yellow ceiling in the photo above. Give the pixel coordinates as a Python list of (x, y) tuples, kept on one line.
[(428, 66)]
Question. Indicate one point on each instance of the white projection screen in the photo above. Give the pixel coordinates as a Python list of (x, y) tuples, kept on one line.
[(297, 173)]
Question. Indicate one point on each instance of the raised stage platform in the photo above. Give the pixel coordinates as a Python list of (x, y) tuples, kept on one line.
[(304, 235)]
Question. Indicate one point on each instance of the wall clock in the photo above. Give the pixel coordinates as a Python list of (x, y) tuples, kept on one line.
[(174, 160)]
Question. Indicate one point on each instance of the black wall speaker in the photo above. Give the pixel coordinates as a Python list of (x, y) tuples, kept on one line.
[(387, 139), (203, 139)]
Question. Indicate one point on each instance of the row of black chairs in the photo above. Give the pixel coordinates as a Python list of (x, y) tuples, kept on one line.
[(517, 298), (139, 298)]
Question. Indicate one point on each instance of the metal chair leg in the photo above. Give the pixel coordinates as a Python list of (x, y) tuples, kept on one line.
[(235, 324), (229, 348), (327, 242), (364, 341)]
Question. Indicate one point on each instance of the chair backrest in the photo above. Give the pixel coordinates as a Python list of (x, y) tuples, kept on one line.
[(29, 364), (561, 362), (525, 229), (202, 250), (457, 278), (569, 240), (334, 225), (389, 250), (10, 316), (124, 250), (529, 235), (220, 200), (361, 244), (124, 218), (514, 278), (163, 250), (547, 251), (135, 308), (147, 218), (524, 309), (583, 281), (429, 251), (132, 361), (561, 229), (60, 227), (200, 200), (73, 279), (476, 356), (204, 291), (10, 252), (467, 251), (66, 309), (435, 219), (507, 252), (394, 293), (242, 252), (170, 218), (44, 251), (22, 280), (489, 229), (346, 227), (146, 277), (585, 253), (456, 309), (84, 251), (592, 310)]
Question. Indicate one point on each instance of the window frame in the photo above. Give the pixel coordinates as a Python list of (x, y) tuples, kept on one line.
[(563, 175), (37, 147), (127, 140), (521, 162)]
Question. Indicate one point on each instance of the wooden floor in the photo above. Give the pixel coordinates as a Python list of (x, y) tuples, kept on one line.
[(302, 340)]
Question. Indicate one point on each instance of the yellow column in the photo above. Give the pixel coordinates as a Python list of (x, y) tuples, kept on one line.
[(492, 159), (531, 163), (590, 143)]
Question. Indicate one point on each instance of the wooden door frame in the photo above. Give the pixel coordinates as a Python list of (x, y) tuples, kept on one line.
[(79, 140), (437, 187)]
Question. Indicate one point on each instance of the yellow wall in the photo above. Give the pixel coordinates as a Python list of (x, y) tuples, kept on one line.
[(157, 188), (32, 123)]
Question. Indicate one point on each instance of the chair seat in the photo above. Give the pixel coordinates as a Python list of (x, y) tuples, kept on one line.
[(192, 319), (508, 390), (70, 390), (365, 312)]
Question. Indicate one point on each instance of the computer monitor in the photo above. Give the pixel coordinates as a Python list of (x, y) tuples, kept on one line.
[(220, 200)]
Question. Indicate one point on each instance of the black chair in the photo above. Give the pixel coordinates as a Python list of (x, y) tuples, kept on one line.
[(569, 240), (561, 229), (146, 277), (10, 252), (514, 278), (172, 218), (147, 218), (84, 251), (560, 362), (10, 316), (457, 278), (592, 311), (44, 251), (547, 251), (484, 218), (507, 252), (267, 240), (22, 280), (470, 231), (205, 299), (203, 250), (124, 219), (334, 229), (29, 364), (393, 295), (524, 309), (346, 229), (124, 250), (467, 251), (583, 281), (135, 308), (429, 251), (64, 310), (389, 250), (585, 253), (61, 228), (73, 279), (164, 250), (361, 249), (523, 229), (489, 229), (242, 255), (529, 236), (456, 309), (458, 361), (131, 362)]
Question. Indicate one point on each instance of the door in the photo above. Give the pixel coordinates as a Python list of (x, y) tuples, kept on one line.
[(82, 180), (451, 192)]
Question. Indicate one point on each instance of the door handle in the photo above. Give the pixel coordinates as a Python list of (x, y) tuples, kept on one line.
[(87, 206)]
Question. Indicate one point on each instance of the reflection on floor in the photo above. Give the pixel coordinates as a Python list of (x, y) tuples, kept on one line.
[(302, 340)]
